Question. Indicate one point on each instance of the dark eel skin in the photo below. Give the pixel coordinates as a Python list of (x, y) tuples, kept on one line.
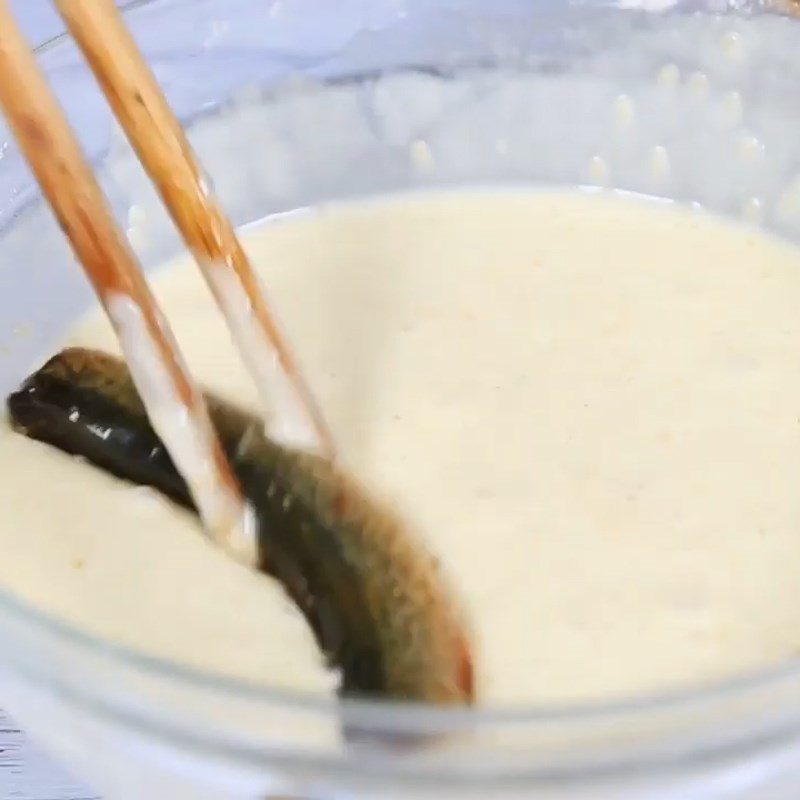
[(371, 593)]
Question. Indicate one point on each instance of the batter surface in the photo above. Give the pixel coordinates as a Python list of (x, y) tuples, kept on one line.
[(588, 405)]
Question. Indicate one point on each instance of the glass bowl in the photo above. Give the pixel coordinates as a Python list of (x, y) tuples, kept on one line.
[(295, 102)]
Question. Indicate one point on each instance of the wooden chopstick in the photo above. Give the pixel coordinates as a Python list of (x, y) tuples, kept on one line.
[(67, 181), (165, 152)]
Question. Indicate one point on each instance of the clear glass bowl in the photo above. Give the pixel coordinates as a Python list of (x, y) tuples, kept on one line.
[(698, 104)]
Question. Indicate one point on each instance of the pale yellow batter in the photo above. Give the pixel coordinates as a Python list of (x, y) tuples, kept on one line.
[(589, 406)]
